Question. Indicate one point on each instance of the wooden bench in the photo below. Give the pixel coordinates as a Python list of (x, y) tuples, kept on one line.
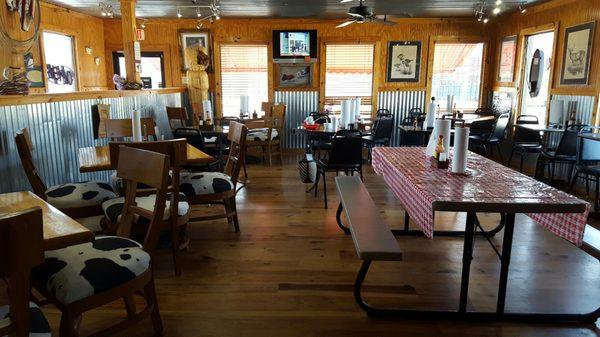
[(591, 241), (373, 239)]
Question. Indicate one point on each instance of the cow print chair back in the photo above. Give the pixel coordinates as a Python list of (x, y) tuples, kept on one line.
[(83, 277), (21, 248)]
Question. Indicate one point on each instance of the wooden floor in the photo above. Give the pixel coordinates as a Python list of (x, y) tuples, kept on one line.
[(290, 273)]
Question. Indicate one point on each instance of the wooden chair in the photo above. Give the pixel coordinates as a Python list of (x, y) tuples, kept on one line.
[(267, 107), (175, 217), (118, 129), (217, 187), (177, 117), (269, 137), (115, 267), (81, 201), (21, 248)]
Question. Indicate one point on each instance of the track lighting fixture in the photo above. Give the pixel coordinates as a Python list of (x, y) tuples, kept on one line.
[(106, 10), (213, 7), (522, 8), (485, 20), (496, 11)]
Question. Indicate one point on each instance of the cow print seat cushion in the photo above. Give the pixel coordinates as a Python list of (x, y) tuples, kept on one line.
[(91, 193), (77, 272), (261, 135), (38, 325), (114, 207), (199, 183)]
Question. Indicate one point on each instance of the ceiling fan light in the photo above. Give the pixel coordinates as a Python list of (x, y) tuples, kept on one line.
[(496, 11)]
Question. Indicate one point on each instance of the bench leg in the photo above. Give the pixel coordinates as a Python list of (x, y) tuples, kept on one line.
[(338, 218)]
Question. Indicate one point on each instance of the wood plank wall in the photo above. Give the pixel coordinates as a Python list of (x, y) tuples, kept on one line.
[(556, 14), (162, 35), (88, 32)]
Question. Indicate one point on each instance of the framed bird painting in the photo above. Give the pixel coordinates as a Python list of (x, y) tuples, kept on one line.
[(404, 61)]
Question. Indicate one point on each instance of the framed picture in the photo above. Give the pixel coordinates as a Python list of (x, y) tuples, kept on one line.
[(296, 75), (506, 61), (576, 53), (33, 72), (404, 61), (200, 37)]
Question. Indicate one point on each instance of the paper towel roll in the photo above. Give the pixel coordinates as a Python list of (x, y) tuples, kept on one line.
[(347, 113), (136, 126), (244, 104), (461, 149), (441, 127), (557, 107), (431, 112), (207, 107), (450, 103), (357, 103)]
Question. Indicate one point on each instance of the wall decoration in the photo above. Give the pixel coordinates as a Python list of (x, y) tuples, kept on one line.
[(295, 75), (196, 37), (506, 63), (576, 53), (33, 72), (404, 61)]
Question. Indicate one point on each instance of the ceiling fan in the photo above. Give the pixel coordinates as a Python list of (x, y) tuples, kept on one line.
[(362, 14)]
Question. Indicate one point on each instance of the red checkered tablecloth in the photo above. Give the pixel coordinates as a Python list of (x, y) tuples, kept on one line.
[(418, 186)]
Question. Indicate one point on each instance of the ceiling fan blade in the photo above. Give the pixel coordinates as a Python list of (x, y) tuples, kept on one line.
[(344, 1), (345, 23), (383, 21), (356, 15)]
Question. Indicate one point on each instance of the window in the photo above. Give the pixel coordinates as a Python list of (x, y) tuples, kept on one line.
[(349, 74), (244, 71), (457, 71), (153, 68), (59, 58)]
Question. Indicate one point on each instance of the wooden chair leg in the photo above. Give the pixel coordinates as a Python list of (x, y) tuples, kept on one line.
[(150, 294), (227, 204), (270, 154), (236, 223), (129, 305), (175, 249), (325, 188), (69, 324)]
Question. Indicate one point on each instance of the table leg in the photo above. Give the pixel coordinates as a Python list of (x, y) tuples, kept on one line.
[(467, 257), (505, 261)]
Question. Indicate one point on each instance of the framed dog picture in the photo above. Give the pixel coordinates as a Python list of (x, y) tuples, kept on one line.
[(404, 61), (506, 64), (577, 51)]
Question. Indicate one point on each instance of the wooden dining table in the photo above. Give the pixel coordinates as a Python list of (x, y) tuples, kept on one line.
[(97, 158), (59, 230)]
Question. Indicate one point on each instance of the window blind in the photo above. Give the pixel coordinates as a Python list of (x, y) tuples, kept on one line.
[(244, 71), (348, 73), (457, 71)]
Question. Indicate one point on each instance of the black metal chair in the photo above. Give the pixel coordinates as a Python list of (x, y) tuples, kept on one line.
[(383, 113), (525, 140), (196, 139), (486, 141), (225, 121), (588, 166), (485, 112), (527, 119), (345, 155), (381, 134), (565, 152)]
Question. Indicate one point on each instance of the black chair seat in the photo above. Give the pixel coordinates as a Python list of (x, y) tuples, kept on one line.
[(595, 170), (551, 155), (528, 147)]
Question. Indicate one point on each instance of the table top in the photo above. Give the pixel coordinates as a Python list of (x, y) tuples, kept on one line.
[(60, 231), (487, 187), (592, 136), (540, 128), (92, 159)]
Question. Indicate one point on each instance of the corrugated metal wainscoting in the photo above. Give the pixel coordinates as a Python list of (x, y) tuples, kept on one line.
[(59, 129), (399, 103), (299, 105)]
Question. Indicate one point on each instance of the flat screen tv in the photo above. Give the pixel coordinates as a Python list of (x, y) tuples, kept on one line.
[(292, 44)]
